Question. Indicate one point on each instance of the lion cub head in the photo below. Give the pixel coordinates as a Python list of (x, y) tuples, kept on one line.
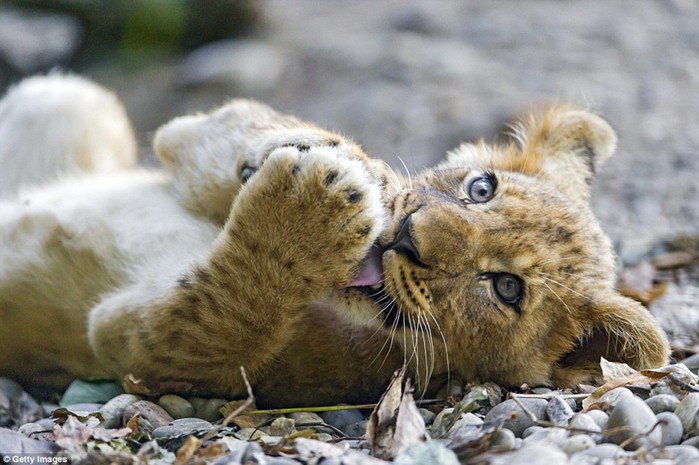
[(494, 268)]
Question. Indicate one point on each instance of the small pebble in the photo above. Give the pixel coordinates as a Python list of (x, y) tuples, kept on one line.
[(584, 422), (85, 407), (176, 406), (671, 429), (277, 461), (632, 417), (541, 390), (534, 454), (12, 442), (307, 420), (302, 418), (12, 389), (270, 441), (251, 434), (537, 434), (558, 411), (37, 431), (356, 430), (662, 403), (612, 398), (207, 409), (599, 417), (325, 437), (428, 416), (341, 418), (604, 451), (687, 411), (517, 419), (577, 443), (680, 454), (46, 423), (432, 452), (150, 416), (282, 426), (253, 454), (182, 427), (113, 410), (502, 440)]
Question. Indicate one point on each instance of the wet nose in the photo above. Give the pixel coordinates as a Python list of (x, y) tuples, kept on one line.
[(403, 243)]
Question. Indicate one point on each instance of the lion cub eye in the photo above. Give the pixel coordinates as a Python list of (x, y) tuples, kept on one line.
[(482, 188), (508, 288)]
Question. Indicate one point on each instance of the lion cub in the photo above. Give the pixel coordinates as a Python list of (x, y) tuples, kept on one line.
[(268, 243)]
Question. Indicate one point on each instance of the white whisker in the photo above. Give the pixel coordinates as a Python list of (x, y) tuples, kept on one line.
[(558, 297)]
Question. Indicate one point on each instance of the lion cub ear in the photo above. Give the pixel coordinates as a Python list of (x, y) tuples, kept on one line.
[(566, 145), (620, 330)]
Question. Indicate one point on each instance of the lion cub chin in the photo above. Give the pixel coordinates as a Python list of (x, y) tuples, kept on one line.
[(267, 243)]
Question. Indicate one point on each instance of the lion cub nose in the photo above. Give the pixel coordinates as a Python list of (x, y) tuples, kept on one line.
[(403, 243)]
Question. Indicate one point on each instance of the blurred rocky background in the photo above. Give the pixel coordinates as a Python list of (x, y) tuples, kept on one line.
[(410, 80)]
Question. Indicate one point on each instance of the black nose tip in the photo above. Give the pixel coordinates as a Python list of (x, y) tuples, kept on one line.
[(403, 242)]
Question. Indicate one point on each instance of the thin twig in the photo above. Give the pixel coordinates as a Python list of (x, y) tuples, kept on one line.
[(640, 435), (241, 408), (321, 424), (551, 395), (331, 408), (529, 413)]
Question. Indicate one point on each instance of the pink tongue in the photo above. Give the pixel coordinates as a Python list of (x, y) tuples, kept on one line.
[(371, 272)]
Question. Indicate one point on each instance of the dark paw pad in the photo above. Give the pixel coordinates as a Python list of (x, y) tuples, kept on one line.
[(330, 177), (353, 195), (246, 173)]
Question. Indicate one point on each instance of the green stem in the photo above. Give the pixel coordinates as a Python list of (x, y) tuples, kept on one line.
[(331, 408)]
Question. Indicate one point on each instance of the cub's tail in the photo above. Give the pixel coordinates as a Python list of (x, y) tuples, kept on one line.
[(60, 124)]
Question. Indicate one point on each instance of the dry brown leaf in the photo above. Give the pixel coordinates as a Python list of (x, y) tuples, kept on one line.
[(679, 371), (676, 259), (647, 296), (615, 370), (133, 385), (132, 424), (395, 423), (621, 375), (61, 414), (639, 283), (187, 450)]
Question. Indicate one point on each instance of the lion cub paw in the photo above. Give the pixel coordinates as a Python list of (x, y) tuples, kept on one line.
[(316, 211)]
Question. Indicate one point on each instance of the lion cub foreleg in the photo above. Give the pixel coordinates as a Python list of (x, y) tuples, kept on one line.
[(298, 229)]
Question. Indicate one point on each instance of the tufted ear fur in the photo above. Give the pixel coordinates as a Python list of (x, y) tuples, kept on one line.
[(618, 329), (564, 144)]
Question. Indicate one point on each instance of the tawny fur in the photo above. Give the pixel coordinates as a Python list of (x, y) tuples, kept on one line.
[(181, 276)]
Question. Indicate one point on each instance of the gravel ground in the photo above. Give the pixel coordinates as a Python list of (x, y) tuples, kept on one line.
[(410, 80)]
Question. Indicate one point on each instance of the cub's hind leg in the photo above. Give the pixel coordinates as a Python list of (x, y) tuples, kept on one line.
[(58, 124)]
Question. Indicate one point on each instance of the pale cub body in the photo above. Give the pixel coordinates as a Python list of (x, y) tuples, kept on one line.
[(249, 250)]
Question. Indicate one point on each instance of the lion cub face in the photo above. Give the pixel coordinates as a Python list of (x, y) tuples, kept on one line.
[(494, 268)]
